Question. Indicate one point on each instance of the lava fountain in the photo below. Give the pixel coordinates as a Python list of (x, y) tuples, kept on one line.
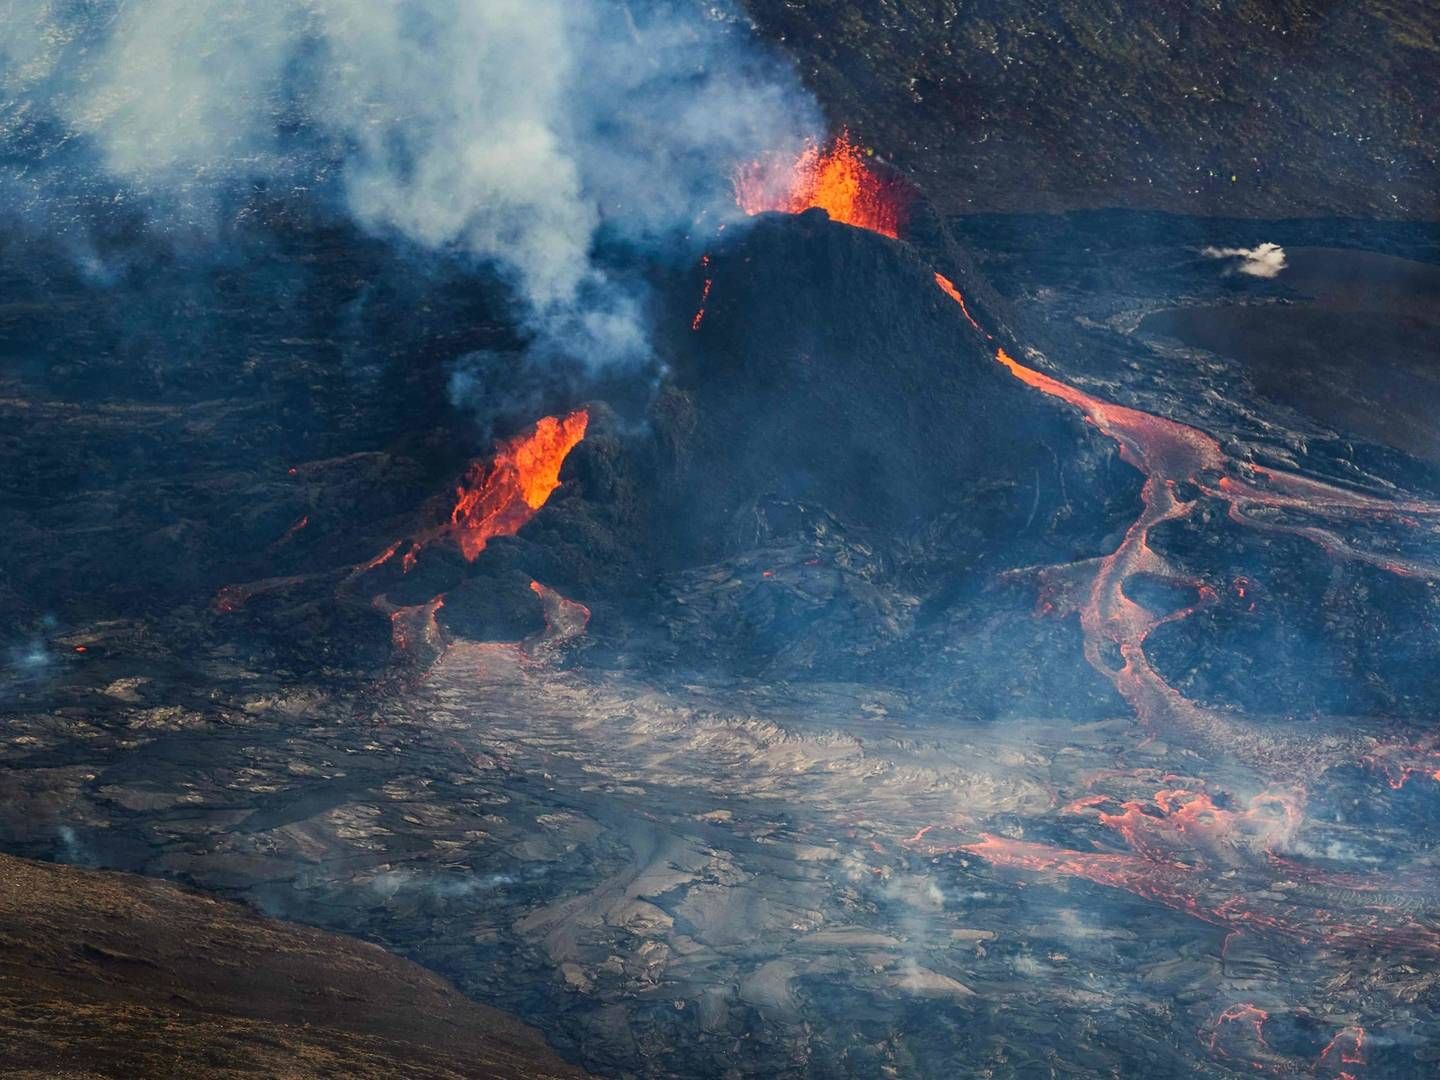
[(836, 179), (494, 498), (497, 498)]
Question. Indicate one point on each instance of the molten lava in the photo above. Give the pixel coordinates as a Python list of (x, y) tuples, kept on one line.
[(704, 293), (565, 619), (948, 288), (837, 180), (1263, 902), (1187, 825), (498, 498)]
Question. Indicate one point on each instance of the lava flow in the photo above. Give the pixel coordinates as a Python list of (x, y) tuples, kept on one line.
[(498, 499), (837, 180), (1239, 1033), (495, 498), (704, 293), (1115, 627), (948, 288), (1267, 904), (1184, 824), (1169, 454), (1188, 853), (565, 619)]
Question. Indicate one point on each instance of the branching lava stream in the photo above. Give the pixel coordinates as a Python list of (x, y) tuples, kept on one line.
[(1171, 454), (1187, 852)]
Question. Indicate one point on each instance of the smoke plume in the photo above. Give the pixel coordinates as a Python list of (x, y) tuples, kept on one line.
[(529, 134), (1262, 261)]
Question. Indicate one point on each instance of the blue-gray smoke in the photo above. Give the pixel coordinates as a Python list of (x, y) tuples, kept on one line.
[(516, 131)]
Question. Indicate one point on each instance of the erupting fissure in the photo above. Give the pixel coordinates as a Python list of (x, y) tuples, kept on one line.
[(836, 179), (499, 497), (494, 498)]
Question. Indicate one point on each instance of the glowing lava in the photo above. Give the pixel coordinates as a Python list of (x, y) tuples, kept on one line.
[(837, 180), (1188, 853), (1170, 454), (499, 498), (565, 620), (1188, 824), (1267, 904), (495, 498), (414, 629), (948, 288), (704, 293)]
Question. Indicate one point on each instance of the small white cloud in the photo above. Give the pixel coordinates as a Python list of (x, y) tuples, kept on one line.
[(1264, 260)]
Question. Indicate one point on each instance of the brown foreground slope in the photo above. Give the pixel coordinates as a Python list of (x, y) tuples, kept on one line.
[(106, 974)]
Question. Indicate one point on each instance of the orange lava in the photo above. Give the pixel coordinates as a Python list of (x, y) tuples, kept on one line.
[(565, 619), (232, 598), (498, 498), (837, 180), (948, 288), (704, 294), (1349, 1045), (1244, 1013), (416, 625), (295, 528), (1239, 903), (1182, 822), (1169, 454)]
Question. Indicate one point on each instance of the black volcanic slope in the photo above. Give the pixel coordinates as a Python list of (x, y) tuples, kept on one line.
[(831, 369), (996, 105), (830, 377)]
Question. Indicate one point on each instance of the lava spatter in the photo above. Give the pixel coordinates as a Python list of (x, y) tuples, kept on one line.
[(495, 498), (499, 497), (836, 179)]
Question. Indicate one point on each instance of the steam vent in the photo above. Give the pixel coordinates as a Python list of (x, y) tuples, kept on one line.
[(744, 539)]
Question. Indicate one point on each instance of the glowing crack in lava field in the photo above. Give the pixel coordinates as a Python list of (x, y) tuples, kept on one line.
[(724, 540)]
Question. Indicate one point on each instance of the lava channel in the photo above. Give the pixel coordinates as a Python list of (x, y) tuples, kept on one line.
[(1115, 628)]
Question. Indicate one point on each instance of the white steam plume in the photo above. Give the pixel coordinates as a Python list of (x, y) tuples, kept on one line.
[(520, 131), (1263, 261)]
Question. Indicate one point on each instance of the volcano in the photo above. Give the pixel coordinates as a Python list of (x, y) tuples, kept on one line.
[(847, 499), (686, 601)]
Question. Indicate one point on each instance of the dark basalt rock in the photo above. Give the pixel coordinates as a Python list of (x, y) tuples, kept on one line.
[(1262, 110), (830, 369), (831, 381)]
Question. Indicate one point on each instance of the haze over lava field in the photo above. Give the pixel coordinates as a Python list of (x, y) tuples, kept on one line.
[(609, 539)]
